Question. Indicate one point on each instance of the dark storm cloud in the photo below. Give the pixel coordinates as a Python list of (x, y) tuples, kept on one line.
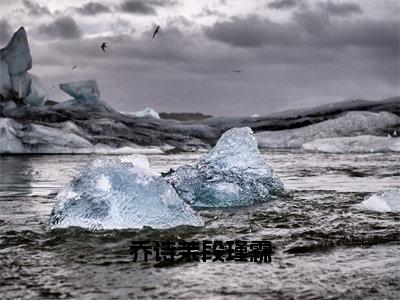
[(137, 7), (251, 31), (298, 61), (5, 31), (282, 4), (34, 9), (340, 9), (92, 9), (308, 28), (144, 7), (61, 28)]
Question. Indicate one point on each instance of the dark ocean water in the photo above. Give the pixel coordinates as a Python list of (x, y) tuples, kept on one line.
[(324, 246)]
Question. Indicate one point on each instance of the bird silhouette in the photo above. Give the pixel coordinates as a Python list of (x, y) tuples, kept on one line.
[(237, 71), (103, 47), (156, 31), (74, 67)]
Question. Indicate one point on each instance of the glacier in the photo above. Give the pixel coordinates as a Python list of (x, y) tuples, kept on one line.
[(356, 144), (353, 123), (388, 201), (233, 173), (120, 194)]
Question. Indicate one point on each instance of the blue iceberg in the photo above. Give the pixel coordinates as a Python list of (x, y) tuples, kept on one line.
[(233, 173), (110, 194)]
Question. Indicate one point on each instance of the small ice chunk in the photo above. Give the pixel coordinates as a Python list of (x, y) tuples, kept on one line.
[(147, 112), (111, 194), (82, 90), (386, 202), (233, 173)]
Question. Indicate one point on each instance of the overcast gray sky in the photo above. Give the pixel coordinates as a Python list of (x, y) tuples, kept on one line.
[(293, 53)]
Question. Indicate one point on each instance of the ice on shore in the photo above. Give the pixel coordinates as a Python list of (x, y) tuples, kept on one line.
[(388, 201), (82, 90), (111, 194), (19, 138), (356, 144), (233, 173), (353, 123)]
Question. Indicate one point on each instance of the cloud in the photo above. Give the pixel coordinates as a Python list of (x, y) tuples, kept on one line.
[(282, 4), (251, 31), (35, 9), (340, 9), (61, 28), (307, 28), (137, 7), (142, 7), (92, 9), (5, 31)]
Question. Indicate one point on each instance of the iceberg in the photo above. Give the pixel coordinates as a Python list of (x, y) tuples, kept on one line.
[(147, 112), (5, 79), (233, 173), (386, 202), (356, 144), (111, 194), (15, 61), (38, 95), (15, 82), (17, 53), (82, 90), (353, 123)]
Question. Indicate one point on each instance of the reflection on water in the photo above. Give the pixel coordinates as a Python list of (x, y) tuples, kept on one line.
[(324, 246), (15, 176)]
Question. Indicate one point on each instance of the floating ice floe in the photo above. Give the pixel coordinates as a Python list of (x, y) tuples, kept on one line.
[(386, 202), (355, 144), (351, 124), (110, 194), (233, 173)]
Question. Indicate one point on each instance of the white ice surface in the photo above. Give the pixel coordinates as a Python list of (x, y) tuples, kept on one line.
[(357, 144), (386, 202), (350, 124), (147, 112)]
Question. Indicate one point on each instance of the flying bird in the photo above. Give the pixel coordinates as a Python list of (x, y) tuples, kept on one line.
[(237, 71), (156, 31), (103, 47), (74, 67)]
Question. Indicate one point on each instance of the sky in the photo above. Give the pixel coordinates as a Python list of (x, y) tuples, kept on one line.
[(291, 53)]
